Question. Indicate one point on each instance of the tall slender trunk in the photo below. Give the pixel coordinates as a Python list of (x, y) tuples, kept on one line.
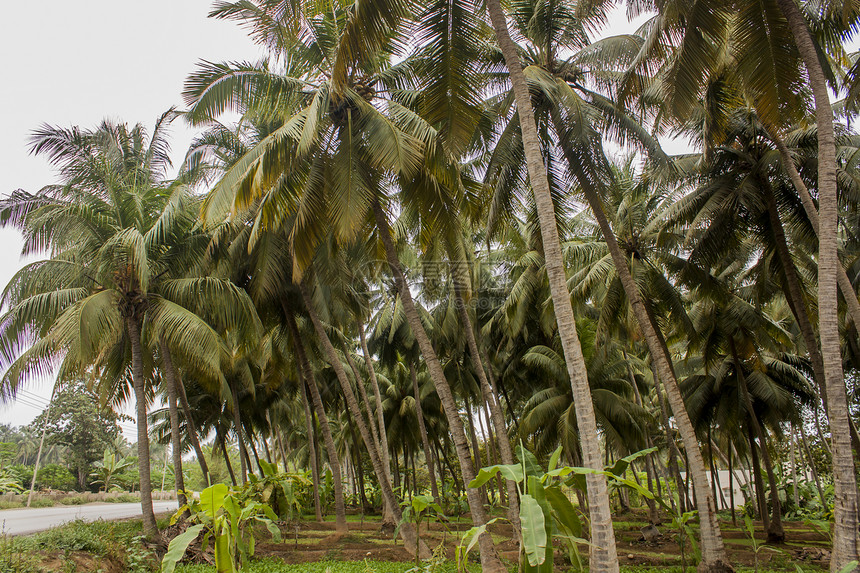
[(713, 550), (244, 458), (192, 431), (794, 291), (732, 488), (775, 532), (41, 445), (844, 283), (173, 412), (812, 468), (362, 392), (674, 454), (333, 461), (755, 467), (491, 398), (387, 513), (653, 513), (223, 442), (254, 451), (793, 454), (407, 532), (312, 450), (846, 541), (422, 429), (490, 561), (150, 527)]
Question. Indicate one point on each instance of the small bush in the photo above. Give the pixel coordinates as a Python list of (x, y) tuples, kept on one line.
[(73, 500), (10, 504), (123, 498), (41, 502), (13, 559), (97, 537), (55, 476)]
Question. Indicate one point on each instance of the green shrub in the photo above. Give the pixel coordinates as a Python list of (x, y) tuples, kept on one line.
[(10, 505), (123, 498), (55, 476), (41, 502), (14, 559), (97, 537), (73, 500)]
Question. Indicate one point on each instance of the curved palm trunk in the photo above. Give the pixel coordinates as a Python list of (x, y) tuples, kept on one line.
[(422, 429), (219, 435), (844, 283), (312, 450), (755, 469), (490, 561), (387, 514), (653, 513), (490, 397), (603, 552), (713, 550), (362, 391), (775, 531), (173, 411), (192, 431), (150, 528), (334, 462), (846, 541), (407, 532)]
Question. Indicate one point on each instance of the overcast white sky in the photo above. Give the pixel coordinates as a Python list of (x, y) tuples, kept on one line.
[(76, 63)]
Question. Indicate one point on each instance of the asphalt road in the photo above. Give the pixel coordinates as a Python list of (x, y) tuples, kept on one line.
[(22, 521)]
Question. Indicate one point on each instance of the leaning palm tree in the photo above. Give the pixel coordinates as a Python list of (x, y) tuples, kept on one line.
[(603, 552)]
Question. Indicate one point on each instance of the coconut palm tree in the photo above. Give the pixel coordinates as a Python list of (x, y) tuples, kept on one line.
[(110, 228)]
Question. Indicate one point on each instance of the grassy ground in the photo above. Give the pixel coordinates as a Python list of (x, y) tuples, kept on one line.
[(310, 546)]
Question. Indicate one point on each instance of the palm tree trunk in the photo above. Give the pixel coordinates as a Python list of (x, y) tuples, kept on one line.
[(713, 550), (794, 292), (490, 561), (422, 429), (846, 541), (407, 532), (244, 459), (387, 513), (844, 283), (674, 453), (775, 532), (223, 442), (173, 411), (256, 454), (603, 552), (41, 445), (755, 467), (653, 513), (491, 397), (812, 468), (359, 383), (192, 431), (333, 461), (150, 528), (312, 450), (732, 488)]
